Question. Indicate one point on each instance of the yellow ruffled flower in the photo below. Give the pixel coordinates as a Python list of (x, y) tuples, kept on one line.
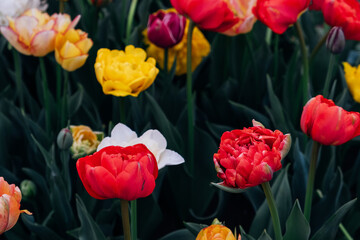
[(200, 49), (71, 49), (215, 232), (352, 76), (123, 73), (85, 141)]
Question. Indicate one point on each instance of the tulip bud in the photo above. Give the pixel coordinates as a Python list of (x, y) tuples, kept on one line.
[(335, 41), (28, 189), (166, 30), (64, 139)]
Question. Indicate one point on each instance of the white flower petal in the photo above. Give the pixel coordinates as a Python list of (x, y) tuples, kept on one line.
[(122, 134), (169, 157), (154, 141)]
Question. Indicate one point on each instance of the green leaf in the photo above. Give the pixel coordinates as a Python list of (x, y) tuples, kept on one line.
[(89, 229), (75, 101), (228, 189), (264, 236), (182, 234), (48, 156), (244, 235), (330, 227), (297, 227), (194, 228), (250, 113), (41, 231)]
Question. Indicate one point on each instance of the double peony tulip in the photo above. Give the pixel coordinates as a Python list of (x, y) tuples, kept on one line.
[(117, 172), (165, 29), (10, 197), (71, 49), (34, 32), (327, 123), (278, 15), (216, 232), (250, 156), (123, 73)]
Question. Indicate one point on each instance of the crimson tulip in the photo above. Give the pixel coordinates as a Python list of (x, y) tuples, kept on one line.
[(344, 14), (278, 15), (250, 156), (327, 123), (127, 173), (212, 15), (165, 29)]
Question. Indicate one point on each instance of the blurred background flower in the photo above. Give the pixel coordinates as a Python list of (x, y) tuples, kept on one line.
[(352, 77), (327, 123), (10, 197), (14, 8), (71, 49), (85, 141), (123, 73), (200, 49), (165, 29), (116, 172)]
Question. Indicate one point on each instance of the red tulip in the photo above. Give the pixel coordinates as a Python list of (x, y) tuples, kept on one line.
[(278, 15), (119, 172), (212, 15), (100, 3), (344, 14), (327, 123), (316, 4), (250, 156), (164, 29)]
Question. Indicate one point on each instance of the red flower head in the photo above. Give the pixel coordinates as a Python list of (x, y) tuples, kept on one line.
[(164, 29), (344, 14), (119, 172), (327, 123), (212, 15), (279, 14), (248, 157)]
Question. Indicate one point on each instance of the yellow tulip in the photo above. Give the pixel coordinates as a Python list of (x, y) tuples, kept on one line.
[(85, 141), (34, 32), (200, 49), (123, 73), (10, 197), (71, 49), (215, 232), (352, 77)]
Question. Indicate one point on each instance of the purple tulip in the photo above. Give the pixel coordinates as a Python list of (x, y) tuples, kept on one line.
[(165, 30), (335, 41)]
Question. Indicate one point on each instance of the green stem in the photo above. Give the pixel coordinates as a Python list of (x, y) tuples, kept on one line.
[(345, 232), (190, 107), (46, 95), (166, 57), (125, 218), (130, 20), (311, 180), (19, 83), (133, 209), (273, 210), (64, 107), (61, 6), (305, 60), (58, 83), (64, 155), (317, 47), (276, 57), (328, 75)]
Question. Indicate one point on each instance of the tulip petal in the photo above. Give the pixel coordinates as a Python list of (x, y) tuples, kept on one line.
[(14, 212), (118, 89), (101, 181), (4, 212), (71, 64), (169, 157), (154, 141), (84, 45), (42, 43), (25, 26), (12, 37)]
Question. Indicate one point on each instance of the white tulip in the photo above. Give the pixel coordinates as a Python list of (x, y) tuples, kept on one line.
[(123, 136)]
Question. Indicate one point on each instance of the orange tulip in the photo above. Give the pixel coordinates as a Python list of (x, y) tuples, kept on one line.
[(10, 197), (215, 232), (34, 32), (71, 49)]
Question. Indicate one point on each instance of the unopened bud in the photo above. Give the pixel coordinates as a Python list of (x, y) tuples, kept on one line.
[(64, 139), (28, 189), (335, 41)]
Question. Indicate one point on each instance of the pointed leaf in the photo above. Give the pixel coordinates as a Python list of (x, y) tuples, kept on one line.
[(297, 227)]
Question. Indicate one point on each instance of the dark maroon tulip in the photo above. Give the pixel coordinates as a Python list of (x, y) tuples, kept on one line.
[(166, 29), (335, 41)]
